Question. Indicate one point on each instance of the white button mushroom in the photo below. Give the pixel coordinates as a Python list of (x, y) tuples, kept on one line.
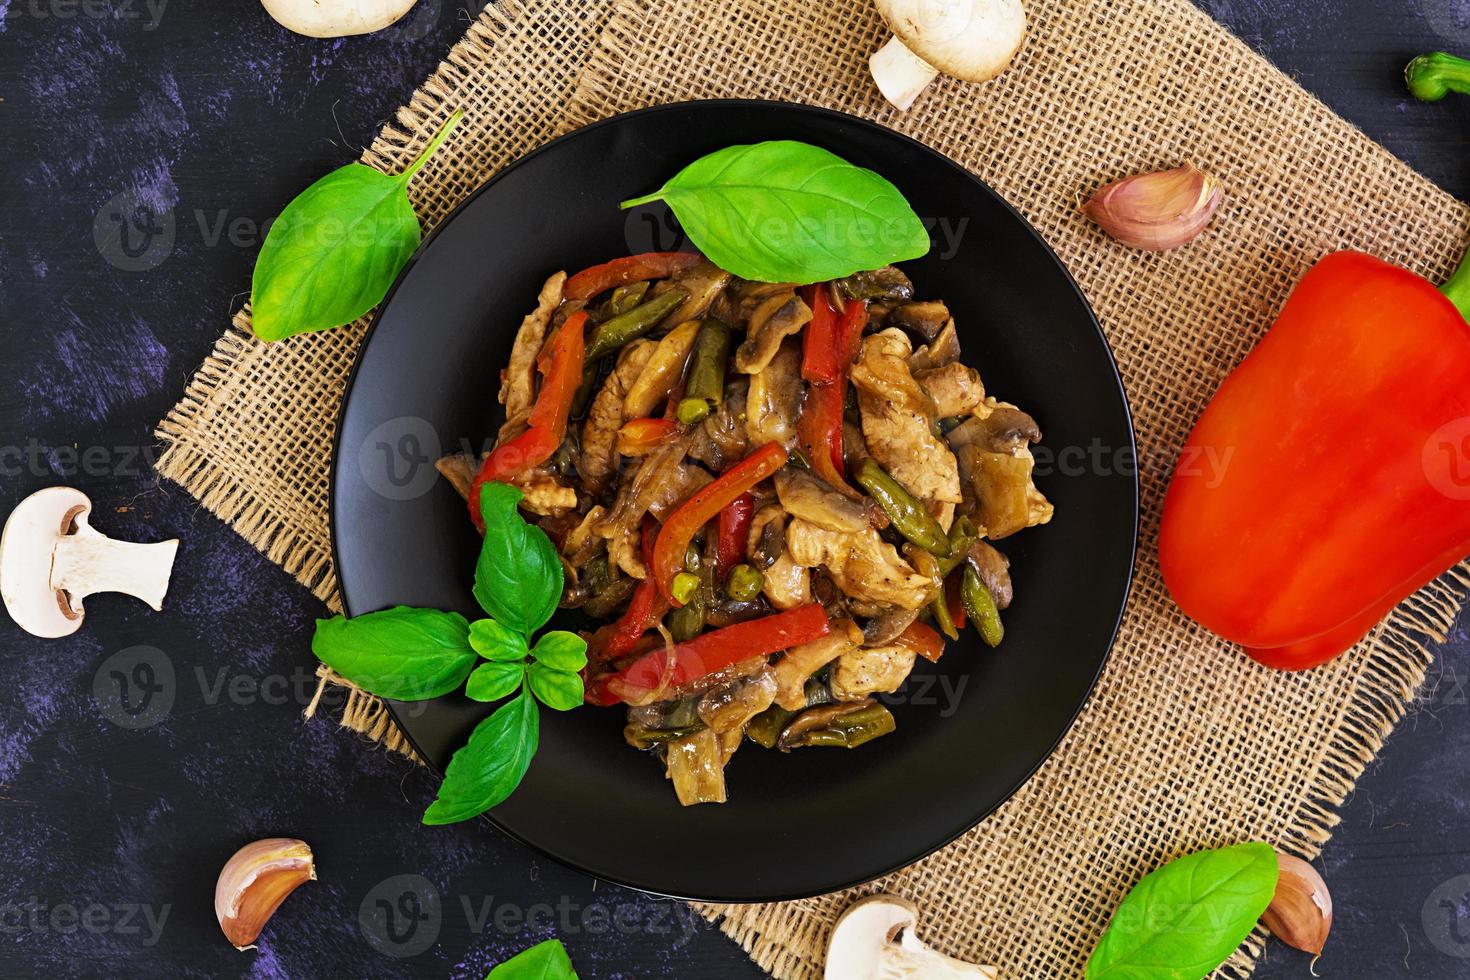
[(336, 18), (973, 40), (51, 559), (874, 940)]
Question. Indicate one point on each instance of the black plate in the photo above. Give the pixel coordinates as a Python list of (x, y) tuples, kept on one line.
[(815, 820)]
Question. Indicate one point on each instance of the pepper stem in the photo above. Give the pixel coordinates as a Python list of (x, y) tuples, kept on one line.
[(1433, 76), (1430, 78), (1457, 288)]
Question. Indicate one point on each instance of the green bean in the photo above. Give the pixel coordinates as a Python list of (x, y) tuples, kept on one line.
[(942, 619), (850, 730), (909, 516), (765, 728), (646, 738), (706, 385), (585, 391), (623, 299), (629, 326), (980, 604), (745, 583)]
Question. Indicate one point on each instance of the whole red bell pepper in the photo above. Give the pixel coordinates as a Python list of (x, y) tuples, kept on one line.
[(1329, 477), (560, 363), (629, 268), (704, 506), (709, 652)]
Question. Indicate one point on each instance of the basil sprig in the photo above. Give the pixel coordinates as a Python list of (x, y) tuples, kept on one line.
[(1185, 919), (544, 961), (784, 211), (415, 654), (333, 253)]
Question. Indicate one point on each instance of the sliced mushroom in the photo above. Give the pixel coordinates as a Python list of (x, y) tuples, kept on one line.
[(806, 496), (973, 40), (774, 402), (775, 319), (994, 570), (875, 939), (887, 283), (51, 560), (925, 319), (944, 349)]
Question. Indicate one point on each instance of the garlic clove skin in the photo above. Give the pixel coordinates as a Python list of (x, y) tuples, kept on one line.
[(1300, 914), (1157, 211), (254, 883)]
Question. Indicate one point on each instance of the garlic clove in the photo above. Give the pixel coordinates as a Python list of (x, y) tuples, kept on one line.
[(1300, 914), (1157, 211), (254, 883)]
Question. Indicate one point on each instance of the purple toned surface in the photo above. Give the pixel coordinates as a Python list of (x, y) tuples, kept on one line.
[(144, 150)]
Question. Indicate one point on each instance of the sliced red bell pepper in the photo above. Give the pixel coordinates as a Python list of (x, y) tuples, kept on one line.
[(560, 363), (819, 433), (923, 641), (732, 534), (644, 609), (700, 509), (819, 350), (630, 268), (638, 437), (709, 652), (1325, 481)]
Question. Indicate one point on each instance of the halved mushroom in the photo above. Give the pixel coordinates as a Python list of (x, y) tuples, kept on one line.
[(51, 560), (973, 40), (875, 940), (336, 18)]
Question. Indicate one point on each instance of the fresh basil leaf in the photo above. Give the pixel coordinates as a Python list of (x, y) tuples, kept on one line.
[(495, 641), (491, 764), (493, 681), (559, 649), (1185, 919), (784, 211), (544, 961), (518, 577), (558, 689), (401, 653), (335, 250)]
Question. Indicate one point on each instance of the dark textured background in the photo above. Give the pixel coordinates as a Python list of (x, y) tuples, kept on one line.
[(113, 835)]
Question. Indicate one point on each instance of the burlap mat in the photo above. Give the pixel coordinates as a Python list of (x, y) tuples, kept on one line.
[(1186, 743)]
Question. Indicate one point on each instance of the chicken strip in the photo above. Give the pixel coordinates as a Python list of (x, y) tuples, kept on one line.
[(600, 432), (774, 400), (898, 416), (518, 381), (956, 390), (803, 661), (871, 670), (863, 565)]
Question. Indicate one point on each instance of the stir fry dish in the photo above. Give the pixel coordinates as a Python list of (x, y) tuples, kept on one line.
[(774, 498)]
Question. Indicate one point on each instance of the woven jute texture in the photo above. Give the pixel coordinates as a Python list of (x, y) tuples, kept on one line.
[(1185, 744)]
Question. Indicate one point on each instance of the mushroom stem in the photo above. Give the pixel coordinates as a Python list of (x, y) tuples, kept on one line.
[(88, 561), (901, 75)]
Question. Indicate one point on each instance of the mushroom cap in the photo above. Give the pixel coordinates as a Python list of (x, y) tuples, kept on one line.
[(336, 18), (27, 546), (862, 932), (973, 40)]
